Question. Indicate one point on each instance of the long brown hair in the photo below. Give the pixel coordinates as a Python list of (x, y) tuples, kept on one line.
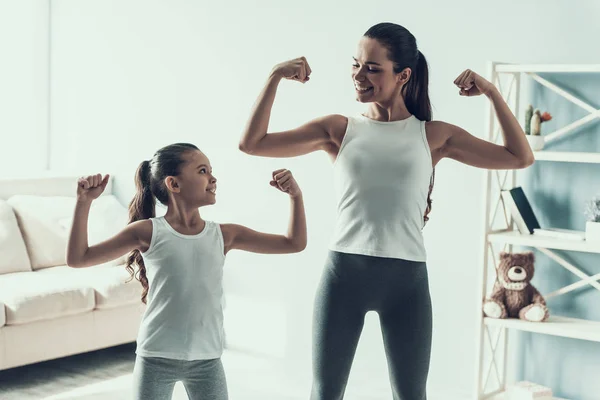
[(150, 185), (429, 201), (403, 52)]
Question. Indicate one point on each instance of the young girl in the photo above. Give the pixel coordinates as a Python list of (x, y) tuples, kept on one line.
[(179, 259)]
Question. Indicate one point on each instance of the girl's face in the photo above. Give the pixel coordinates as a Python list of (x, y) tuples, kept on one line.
[(373, 73), (196, 183)]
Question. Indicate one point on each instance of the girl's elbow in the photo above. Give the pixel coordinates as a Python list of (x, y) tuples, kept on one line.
[(242, 147), (296, 246), (76, 262), (73, 263), (300, 247), (245, 147)]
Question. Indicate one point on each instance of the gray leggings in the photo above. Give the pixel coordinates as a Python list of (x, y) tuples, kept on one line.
[(154, 378), (398, 290)]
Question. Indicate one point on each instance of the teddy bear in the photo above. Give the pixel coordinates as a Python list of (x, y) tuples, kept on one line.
[(513, 296)]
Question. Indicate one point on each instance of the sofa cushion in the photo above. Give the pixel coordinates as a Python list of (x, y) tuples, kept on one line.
[(38, 218), (30, 296), (111, 284), (46, 221), (2, 315), (12, 246)]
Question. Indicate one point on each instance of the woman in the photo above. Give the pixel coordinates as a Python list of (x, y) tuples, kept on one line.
[(383, 164)]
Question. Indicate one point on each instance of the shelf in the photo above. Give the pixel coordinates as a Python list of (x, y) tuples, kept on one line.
[(517, 238), (537, 68), (564, 156), (512, 76), (555, 326)]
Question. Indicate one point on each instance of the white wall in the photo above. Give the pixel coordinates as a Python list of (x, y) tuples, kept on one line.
[(23, 86), (131, 76)]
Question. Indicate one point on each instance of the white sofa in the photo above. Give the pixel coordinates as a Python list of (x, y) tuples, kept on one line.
[(47, 309)]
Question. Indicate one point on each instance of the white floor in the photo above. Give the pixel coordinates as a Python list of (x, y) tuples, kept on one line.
[(248, 377), (106, 375)]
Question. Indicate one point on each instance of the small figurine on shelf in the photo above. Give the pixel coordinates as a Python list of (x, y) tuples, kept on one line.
[(528, 115), (533, 127), (592, 226), (536, 121), (513, 295), (528, 390)]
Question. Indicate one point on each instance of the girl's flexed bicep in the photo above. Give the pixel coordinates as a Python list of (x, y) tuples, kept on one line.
[(243, 238), (239, 237), (135, 236)]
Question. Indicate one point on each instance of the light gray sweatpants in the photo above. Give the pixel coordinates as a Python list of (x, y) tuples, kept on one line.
[(154, 378)]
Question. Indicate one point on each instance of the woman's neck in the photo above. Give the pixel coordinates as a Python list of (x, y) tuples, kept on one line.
[(388, 112)]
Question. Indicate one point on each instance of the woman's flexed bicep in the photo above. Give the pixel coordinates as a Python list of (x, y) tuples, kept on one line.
[(318, 134), (468, 149), (323, 133), (135, 236)]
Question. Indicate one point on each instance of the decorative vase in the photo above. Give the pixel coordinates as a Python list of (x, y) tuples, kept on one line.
[(536, 142), (592, 231)]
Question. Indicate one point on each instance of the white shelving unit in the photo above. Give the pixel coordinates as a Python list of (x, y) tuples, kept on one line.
[(517, 238), (556, 326), (492, 347), (592, 158), (501, 396)]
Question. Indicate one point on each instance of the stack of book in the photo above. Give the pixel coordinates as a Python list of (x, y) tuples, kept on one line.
[(526, 221), (528, 391)]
